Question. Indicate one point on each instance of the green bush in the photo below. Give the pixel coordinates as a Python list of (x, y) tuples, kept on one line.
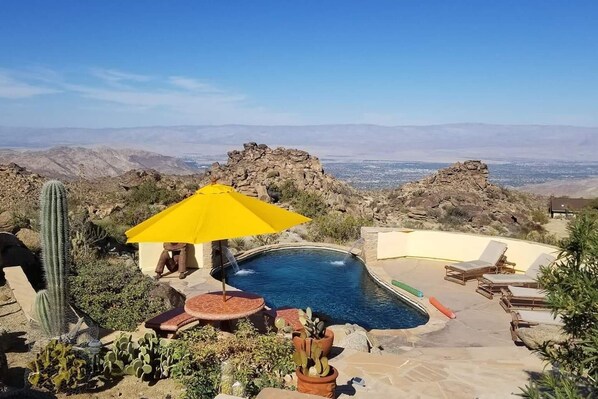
[(256, 360), (337, 228), (572, 293), (114, 295), (306, 203), (148, 192), (540, 216)]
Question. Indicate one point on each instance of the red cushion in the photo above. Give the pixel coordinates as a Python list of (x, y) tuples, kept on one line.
[(170, 320)]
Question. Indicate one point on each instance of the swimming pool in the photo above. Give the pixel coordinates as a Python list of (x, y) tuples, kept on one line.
[(332, 284)]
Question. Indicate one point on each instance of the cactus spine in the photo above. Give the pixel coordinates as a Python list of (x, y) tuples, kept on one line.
[(51, 304)]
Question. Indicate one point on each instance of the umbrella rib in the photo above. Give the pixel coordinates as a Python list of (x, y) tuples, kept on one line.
[(233, 196)]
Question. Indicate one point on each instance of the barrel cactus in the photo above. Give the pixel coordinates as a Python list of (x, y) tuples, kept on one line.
[(51, 304)]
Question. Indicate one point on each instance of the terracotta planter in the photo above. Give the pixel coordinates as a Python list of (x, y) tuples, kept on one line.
[(321, 386), (325, 343)]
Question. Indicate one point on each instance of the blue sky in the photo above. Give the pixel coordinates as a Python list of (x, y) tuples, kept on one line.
[(136, 63)]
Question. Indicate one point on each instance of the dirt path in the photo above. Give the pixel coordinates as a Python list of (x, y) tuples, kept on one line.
[(558, 227)]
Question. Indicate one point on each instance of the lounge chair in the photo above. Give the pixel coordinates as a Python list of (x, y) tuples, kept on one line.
[(490, 284), (531, 318), (515, 298), (492, 260)]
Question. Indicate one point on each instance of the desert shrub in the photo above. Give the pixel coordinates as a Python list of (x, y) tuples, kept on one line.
[(542, 237), (238, 244), (455, 216), (306, 203), (115, 295), (256, 360), (266, 239), (337, 228), (149, 192), (572, 293), (412, 224), (540, 216)]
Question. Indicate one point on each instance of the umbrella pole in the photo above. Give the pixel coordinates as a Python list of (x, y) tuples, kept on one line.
[(222, 271)]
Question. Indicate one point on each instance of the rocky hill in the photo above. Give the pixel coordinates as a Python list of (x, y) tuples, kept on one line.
[(460, 197), (89, 163)]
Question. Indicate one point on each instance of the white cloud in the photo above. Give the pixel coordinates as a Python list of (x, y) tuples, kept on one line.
[(138, 99), (15, 89), (192, 84), (115, 76)]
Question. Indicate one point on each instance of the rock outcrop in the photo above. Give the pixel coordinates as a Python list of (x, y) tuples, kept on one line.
[(258, 167), (460, 197)]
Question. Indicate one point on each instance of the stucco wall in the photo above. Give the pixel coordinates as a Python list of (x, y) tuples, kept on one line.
[(454, 246), (149, 253)]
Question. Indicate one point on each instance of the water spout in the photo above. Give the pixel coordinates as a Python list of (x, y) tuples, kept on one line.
[(231, 259), (350, 251)]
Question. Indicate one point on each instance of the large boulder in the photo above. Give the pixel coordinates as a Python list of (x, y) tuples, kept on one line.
[(171, 297), (31, 239), (7, 222), (534, 337)]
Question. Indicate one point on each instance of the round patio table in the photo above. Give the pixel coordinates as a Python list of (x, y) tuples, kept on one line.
[(211, 307)]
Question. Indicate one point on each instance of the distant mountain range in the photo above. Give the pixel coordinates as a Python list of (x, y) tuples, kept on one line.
[(435, 143), (584, 188), (90, 163)]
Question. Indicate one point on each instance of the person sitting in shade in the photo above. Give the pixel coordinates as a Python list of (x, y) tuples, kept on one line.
[(178, 260)]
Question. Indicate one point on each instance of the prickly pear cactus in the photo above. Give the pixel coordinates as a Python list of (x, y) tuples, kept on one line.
[(146, 359), (310, 360), (314, 327)]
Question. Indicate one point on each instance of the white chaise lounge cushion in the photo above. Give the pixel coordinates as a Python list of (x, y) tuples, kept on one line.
[(527, 292), (490, 257), (530, 275), (505, 279), (538, 317)]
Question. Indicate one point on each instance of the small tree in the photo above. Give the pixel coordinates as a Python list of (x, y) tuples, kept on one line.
[(572, 293)]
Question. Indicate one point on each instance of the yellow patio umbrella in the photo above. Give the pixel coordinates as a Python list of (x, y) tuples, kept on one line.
[(215, 212)]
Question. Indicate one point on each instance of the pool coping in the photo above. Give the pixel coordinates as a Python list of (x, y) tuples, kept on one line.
[(436, 320)]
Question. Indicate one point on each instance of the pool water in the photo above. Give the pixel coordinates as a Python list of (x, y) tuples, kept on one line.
[(332, 284)]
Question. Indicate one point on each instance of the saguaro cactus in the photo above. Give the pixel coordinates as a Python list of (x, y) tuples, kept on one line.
[(51, 304)]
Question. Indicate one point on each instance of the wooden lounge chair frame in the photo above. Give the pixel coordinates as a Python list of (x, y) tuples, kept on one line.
[(458, 275), (488, 288), (510, 302)]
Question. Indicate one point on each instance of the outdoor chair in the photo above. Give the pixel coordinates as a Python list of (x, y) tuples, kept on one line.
[(531, 318), (492, 260), (515, 298), (490, 284)]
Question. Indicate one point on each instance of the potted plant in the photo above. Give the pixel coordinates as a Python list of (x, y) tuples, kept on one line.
[(313, 328), (314, 375)]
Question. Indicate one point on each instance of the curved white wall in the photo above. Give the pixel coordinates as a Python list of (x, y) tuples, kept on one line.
[(455, 246)]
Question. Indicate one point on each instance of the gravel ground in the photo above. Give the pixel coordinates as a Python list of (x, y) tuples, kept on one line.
[(22, 336)]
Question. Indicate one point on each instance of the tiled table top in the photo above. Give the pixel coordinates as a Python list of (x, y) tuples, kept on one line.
[(211, 306)]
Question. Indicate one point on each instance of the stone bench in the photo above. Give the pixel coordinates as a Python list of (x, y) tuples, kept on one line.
[(168, 323)]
